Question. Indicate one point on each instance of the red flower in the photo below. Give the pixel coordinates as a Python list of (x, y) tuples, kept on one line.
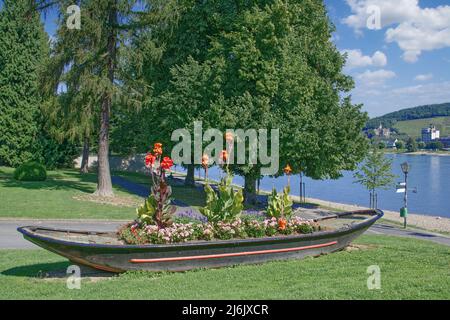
[(224, 155), (157, 149), (282, 224), (166, 163), (149, 160)]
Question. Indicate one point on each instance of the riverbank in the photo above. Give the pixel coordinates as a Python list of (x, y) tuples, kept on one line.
[(431, 223), (430, 153)]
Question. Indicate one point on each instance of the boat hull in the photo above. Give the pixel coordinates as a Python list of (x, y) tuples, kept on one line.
[(195, 255)]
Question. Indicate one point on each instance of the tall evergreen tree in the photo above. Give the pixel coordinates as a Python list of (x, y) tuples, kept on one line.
[(99, 55), (23, 50)]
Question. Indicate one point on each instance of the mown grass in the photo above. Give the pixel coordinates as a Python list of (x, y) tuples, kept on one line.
[(410, 269), (54, 198)]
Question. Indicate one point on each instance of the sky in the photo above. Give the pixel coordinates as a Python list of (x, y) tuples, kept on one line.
[(398, 50), (402, 62)]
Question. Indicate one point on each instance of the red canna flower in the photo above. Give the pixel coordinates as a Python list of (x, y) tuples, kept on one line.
[(157, 149), (150, 160), (224, 155), (287, 170), (166, 163)]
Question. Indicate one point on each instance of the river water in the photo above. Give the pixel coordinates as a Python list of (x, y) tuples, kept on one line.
[(430, 175)]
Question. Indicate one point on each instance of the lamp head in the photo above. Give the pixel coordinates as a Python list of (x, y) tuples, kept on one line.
[(405, 167)]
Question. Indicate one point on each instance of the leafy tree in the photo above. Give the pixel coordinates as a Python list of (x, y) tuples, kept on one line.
[(400, 145), (375, 172), (411, 145), (250, 65), (279, 69), (421, 145), (23, 50), (435, 145)]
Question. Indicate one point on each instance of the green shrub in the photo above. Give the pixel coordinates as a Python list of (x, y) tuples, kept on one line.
[(30, 171)]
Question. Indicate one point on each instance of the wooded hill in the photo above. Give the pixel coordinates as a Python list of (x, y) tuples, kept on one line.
[(422, 112)]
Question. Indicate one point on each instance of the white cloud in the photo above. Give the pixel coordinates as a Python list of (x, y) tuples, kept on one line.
[(356, 59), (424, 77), (374, 78), (413, 28)]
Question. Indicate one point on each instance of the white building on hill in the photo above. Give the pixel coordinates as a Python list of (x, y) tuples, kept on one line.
[(430, 134)]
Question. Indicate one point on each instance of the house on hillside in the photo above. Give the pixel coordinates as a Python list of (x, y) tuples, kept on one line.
[(430, 134), (382, 132), (390, 143)]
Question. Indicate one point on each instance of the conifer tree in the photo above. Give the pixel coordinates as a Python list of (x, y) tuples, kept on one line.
[(23, 50)]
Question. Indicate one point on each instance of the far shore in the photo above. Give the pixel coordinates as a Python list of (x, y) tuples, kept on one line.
[(425, 153), (422, 153)]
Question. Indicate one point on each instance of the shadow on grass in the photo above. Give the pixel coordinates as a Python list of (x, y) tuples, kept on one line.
[(54, 270), (50, 185), (40, 270)]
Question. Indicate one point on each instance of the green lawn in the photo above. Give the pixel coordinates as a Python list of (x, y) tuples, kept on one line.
[(410, 269), (53, 198), (413, 128)]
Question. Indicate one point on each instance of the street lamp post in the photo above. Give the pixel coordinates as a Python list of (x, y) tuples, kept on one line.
[(404, 211)]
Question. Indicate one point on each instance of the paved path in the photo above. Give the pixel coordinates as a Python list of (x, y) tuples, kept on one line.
[(410, 233), (11, 239)]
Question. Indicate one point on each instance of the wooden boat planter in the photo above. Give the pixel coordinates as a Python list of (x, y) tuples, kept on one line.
[(102, 250)]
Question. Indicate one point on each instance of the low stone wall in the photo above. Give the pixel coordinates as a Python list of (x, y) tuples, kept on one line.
[(134, 163)]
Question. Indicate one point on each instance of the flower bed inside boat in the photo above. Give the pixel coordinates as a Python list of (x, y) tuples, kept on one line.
[(136, 233), (221, 217)]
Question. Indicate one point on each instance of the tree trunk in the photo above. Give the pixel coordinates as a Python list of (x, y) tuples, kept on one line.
[(104, 185), (85, 158), (250, 190), (190, 176)]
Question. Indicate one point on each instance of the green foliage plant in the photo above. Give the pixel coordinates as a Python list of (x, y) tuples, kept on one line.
[(280, 205), (226, 204)]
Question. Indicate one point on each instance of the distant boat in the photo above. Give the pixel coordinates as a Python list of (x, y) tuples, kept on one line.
[(102, 250)]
